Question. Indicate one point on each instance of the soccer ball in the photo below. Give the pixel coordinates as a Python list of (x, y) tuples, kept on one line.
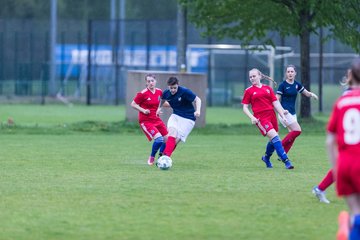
[(164, 163)]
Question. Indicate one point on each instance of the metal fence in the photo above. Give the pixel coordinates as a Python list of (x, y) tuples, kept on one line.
[(93, 58)]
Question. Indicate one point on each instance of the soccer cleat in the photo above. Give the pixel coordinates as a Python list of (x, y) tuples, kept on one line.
[(267, 162), (288, 164), (320, 195), (151, 160)]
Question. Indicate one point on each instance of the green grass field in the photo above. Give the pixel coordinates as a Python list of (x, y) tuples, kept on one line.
[(85, 183)]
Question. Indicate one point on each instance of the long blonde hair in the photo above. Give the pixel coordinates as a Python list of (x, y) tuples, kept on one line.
[(266, 77)]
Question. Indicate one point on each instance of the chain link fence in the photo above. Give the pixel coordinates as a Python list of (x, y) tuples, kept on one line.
[(92, 59)]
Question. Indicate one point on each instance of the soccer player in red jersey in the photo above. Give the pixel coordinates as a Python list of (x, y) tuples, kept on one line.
[(263, 102), (147, 102), (343, 147), (319, 190)]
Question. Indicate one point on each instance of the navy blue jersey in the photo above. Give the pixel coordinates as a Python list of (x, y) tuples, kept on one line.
[(288, 94), (181, 102)]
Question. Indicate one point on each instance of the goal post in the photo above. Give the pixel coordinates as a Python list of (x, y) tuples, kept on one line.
[(227, 67), (271, 52)]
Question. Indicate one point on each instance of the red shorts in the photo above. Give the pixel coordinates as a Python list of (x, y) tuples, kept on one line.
[(152, 128), (267, 121), (348, 174)]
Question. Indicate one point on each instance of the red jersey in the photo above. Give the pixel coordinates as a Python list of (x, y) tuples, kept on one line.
[(345, 123), (260, 98), (148, 100)]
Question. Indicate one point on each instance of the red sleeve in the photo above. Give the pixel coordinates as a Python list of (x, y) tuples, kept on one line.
[(247, 97), (331, 127), (139, 98)]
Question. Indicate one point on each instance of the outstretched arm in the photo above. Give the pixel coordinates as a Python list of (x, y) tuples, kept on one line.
[(310, 94)]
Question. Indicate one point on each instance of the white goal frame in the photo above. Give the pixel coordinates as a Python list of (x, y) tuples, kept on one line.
[(268, 50)]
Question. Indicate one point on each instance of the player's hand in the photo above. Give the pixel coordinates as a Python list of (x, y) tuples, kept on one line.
[(158, 112), (254, 120), (282, 116), (166, 104), (313, 95), (146, 111), (197, 114)]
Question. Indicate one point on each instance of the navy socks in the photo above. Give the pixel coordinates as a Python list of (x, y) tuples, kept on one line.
[(275, 143), (355, 231), (158, 142)]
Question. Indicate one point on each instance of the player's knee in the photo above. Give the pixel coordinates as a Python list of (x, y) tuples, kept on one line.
[(276, 139), (159, 139), (271, 134), (294, 127), (157, 135)]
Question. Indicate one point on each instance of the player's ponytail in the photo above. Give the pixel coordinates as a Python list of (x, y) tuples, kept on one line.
[(346, 80), (263, 76)]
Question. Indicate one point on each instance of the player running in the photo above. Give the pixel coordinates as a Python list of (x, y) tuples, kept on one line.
[(147, 102), (287, 93), (319, 190), (182, 121), (263, 102), (343, 147)]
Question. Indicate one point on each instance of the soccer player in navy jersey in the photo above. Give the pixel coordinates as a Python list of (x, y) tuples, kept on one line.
[(263, 102), (287, 93), (343, 147), (147, 102), (182, 120)]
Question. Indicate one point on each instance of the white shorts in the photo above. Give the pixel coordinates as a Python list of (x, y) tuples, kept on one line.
[(183, 126), (290, 119)]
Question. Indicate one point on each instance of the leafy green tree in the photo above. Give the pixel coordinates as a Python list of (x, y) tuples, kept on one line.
[(250, 20)]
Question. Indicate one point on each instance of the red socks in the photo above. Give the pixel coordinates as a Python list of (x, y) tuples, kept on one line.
[(170, 146), (289, 139), (327, 181)]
